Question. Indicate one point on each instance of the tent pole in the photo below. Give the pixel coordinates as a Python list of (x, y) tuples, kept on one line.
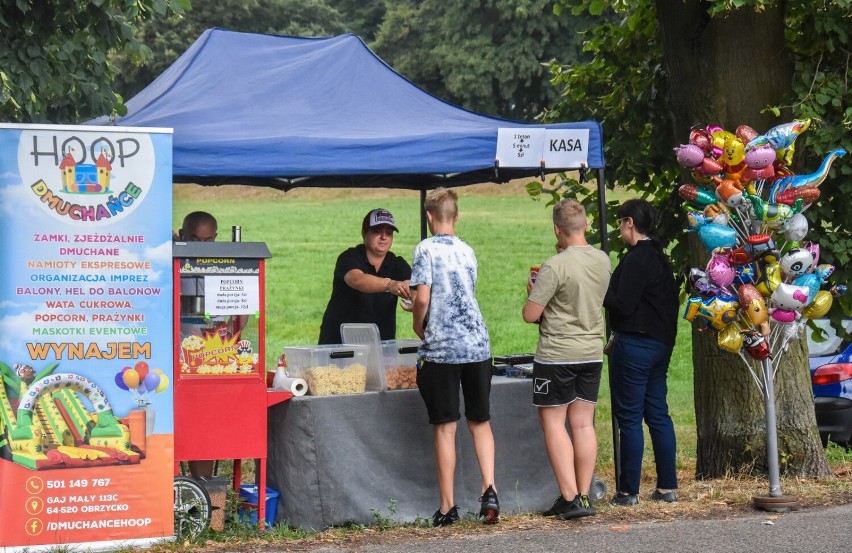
[(602, 211), (422, 214), (616, 439)]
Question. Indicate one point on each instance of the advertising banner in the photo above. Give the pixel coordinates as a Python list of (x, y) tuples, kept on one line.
[(86, 354)]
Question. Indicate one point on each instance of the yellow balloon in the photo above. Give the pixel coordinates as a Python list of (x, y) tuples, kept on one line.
[(131, 378), (733, 150), (820, 306), (731, 338), (164, 383), (720, 136), (771, 279), (158, 371)]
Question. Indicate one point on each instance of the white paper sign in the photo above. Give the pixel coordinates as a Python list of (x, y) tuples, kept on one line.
[(519, 147), (566, 148), (231, 295)]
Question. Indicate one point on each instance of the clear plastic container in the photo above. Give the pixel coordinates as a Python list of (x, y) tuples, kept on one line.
[(399, 358), (367, 334), (333, 369)]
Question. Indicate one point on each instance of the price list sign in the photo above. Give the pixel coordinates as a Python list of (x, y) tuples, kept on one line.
[(86, 411)]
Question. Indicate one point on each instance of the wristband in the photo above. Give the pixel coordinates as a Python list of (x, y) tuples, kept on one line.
[(387, 288)]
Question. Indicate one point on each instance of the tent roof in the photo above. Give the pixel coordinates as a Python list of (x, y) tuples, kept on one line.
[(286, 111)]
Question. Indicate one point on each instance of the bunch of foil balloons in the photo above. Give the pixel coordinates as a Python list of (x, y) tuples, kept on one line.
[(764, 279)]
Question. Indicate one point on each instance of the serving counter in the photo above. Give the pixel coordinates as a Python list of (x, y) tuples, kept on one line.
[(339, 459)]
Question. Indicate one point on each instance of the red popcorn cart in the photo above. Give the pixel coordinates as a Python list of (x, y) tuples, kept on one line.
[(220, 391)]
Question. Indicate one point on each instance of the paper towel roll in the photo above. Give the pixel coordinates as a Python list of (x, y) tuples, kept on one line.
[(296, 386)]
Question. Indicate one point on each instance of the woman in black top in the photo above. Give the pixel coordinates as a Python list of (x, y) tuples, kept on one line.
[(368, 278), (642, 303)]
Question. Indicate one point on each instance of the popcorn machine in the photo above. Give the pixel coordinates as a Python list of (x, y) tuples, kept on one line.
[(220, 392)]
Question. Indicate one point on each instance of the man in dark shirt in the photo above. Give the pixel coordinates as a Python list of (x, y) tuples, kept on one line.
[(367, 281)]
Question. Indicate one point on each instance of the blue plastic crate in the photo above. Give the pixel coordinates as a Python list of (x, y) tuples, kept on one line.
[(248, 513)]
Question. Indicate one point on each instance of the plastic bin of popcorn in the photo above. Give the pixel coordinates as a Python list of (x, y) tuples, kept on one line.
[(330, 369)]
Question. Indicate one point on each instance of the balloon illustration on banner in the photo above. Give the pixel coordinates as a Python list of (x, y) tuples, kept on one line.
[(139, 380), (763, 281)]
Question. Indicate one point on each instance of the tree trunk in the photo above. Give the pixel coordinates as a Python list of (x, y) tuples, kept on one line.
[(730, 415), (726, 70)]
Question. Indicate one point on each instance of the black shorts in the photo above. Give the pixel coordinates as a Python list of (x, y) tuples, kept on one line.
[(439, 387), (561, 383)]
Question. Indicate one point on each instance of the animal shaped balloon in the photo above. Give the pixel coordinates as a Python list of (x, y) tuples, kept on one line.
[(720, 271), (755, 344), (751, 302), (809, 181), (781, 138), (796, 262)]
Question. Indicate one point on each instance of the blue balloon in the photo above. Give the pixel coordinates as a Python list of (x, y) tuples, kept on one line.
[(119, 381), (745, 274), (717, 236), (811, 282), (151, 381)]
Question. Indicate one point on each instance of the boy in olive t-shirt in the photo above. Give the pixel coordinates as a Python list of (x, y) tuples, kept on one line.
[(567, 300)]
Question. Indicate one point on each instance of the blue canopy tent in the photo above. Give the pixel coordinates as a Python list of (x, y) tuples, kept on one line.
[(284, 112)]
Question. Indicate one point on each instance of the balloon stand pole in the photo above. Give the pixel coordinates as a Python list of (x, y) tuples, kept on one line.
[(775, 500)]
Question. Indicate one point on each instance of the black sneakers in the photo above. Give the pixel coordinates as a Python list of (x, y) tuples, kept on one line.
[(578, 507), (446, 519), (587, 504), (489, 512), (624, 500), (556, 508), (575, 508), (668, 497)]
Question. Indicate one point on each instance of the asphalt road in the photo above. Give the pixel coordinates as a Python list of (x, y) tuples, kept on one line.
[(817, 530)]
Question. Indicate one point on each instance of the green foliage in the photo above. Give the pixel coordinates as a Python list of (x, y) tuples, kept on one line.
[(625, 86), (837, 454), (819, 44), (167, 37), (485, 55), (54, 55), (362, 18), (386, 522)]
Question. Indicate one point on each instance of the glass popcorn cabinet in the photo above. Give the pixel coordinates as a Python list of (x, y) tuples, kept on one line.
[(220, 392)]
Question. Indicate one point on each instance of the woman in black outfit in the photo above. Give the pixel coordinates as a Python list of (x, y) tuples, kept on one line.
[(642, 303)]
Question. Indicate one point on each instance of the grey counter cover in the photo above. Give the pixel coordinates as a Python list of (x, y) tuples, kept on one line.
[(339, 459)]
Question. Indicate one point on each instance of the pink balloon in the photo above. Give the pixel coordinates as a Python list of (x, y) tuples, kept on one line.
[(761, 157), (720, 271), (689, 155)]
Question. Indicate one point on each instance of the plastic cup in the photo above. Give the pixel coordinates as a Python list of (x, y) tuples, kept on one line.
[(534, 272)]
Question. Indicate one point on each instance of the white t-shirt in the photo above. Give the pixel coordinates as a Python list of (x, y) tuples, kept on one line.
[(455, 331)]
